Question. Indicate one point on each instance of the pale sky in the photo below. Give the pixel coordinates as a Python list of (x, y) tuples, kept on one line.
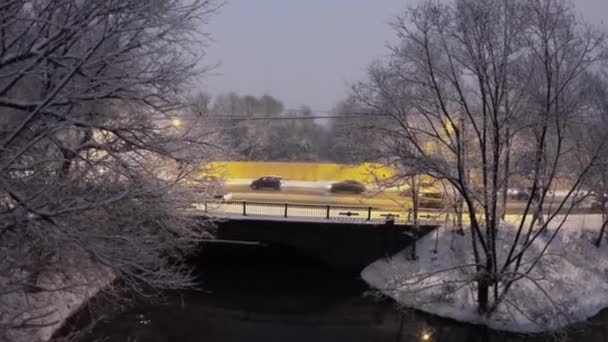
[(308, 51)]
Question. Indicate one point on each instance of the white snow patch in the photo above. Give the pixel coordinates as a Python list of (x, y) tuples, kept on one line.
[(570, 284), (47, 310)]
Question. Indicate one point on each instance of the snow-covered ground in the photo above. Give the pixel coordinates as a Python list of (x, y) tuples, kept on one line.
[(41, 314), (570, 284)]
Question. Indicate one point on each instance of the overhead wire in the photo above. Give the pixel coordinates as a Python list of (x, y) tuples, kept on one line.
[(299, 117)]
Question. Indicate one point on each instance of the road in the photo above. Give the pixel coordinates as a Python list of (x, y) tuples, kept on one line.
[(320, 195), (388, 200)]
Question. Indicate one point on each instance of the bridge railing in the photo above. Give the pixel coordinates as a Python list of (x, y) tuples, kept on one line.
[(317, 211)]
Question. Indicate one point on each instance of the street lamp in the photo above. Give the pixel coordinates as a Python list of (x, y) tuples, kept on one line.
[(176, 122), (425, 336)]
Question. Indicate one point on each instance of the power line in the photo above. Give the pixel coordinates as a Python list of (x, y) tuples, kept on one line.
[(296, 110), (301, 117)]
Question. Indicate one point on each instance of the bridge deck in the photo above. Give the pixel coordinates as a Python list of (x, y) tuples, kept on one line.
[(311, 212), (315, 213), (307, 219)]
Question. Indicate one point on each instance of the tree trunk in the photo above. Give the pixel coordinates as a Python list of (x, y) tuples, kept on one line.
[(598, 242), (506, 177), (458, 211), (483, 286), (483, 290), (415, 205)]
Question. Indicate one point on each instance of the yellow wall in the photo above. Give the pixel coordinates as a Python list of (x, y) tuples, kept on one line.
[(364, 173)]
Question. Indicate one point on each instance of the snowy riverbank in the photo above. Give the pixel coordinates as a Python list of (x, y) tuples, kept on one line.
[(570, 284), (37, 315)]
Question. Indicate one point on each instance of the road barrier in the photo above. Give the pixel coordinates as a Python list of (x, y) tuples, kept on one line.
[(317, 211)]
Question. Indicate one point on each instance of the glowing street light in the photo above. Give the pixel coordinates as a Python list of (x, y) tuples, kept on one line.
[(425, 336), (176, 123)]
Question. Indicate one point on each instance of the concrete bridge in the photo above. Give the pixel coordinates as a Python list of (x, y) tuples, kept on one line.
[(309, 211), (344, 230), (346, 241)]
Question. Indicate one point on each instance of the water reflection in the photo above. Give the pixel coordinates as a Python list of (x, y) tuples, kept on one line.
[(272, 294)]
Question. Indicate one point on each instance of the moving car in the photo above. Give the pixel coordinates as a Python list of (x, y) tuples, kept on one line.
[(352, 186), (268, 182), (432, 200), (518, 194), (597, 205), (598, 201)]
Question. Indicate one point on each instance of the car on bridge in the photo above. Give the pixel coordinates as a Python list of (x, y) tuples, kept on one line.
[(518, 194), (432, 200), (349, 185), (598, 201), (267, 182)]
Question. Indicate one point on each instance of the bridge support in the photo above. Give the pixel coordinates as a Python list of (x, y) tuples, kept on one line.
[(345, 245)]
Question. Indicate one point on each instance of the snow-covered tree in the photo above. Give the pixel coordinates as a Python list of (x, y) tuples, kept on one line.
[(92, 158), (589, 135), (468, 81)]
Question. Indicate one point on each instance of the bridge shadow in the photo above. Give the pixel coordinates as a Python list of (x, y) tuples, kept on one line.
[(303, 269), (272, 279), (341, 245)]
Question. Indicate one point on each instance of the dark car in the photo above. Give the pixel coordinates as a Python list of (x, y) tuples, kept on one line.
[(348, 186), (269, 182), (432, 200)]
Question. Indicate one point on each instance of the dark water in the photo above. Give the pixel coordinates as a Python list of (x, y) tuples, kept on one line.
[(272, 294)]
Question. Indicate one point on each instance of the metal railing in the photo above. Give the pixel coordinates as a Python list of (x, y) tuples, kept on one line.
[(314, 211)]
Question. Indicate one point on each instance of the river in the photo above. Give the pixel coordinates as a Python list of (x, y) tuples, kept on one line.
[(256, 293)]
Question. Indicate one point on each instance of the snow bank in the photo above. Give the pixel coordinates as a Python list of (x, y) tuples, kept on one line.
[(42, 313), (570, 284)]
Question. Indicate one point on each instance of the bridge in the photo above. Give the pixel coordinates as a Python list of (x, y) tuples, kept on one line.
[(343, 237), (306, 191), (346, 230), (315, 212)]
